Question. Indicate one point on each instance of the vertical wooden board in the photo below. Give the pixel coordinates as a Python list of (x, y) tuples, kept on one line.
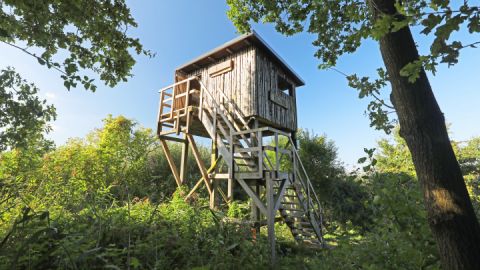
[(253, 93)]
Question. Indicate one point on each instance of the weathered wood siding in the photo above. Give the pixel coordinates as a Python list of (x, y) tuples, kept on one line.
[(249, 84), (237, 84), (282, 115)]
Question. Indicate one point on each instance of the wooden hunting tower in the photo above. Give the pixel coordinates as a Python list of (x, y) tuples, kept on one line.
[(242, 95)]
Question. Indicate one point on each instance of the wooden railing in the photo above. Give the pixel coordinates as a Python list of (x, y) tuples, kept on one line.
[(298, 169), (232, 116)]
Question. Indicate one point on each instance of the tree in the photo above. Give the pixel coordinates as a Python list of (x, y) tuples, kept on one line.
[(71, 37), (23, 116), (340, 27)]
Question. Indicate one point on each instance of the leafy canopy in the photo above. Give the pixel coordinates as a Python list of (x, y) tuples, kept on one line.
[(73, 36), (341, 26), (23, 116)]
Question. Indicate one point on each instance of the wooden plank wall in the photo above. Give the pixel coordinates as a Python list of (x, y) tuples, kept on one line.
[(237, 84), (267, 74), (249, 84)]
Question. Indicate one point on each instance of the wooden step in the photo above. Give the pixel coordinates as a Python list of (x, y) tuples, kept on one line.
[(291, 203), (296, 232), (291, 209), (305, 224), (295, 214)]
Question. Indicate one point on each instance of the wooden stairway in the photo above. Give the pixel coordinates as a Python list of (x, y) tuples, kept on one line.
[(243, 150)]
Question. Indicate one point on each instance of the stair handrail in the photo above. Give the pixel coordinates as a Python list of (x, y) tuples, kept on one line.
[(308, 186), (205, 89), (235, 130)]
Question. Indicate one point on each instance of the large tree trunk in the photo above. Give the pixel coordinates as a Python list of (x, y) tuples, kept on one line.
[(450, 213)]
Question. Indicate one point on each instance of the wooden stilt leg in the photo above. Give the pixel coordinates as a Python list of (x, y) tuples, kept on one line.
[(271, 219), (184, 161), (171, 163), (255, 214), (231, 172), (200, 163), (214, 195)]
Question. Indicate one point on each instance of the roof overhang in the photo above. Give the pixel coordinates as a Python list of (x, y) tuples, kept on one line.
[(236, 45)]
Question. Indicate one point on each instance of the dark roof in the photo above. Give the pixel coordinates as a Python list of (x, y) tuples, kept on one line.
[(236, 45)]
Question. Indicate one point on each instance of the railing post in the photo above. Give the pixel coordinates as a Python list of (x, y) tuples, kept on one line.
[(160, 111), (260, 152), (271, 219), (231, 171), (277, 162), (187, 98), (201, 103), (173, 102)]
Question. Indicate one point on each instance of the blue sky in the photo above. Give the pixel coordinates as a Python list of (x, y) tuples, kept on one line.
[(178, 31)]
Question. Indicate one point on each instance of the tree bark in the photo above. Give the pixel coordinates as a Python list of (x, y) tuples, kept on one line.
[(450, 213)]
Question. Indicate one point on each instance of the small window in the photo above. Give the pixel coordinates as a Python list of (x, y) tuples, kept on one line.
[(284, 86)]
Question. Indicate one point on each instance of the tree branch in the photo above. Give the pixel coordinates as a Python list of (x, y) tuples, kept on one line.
[(35, 56)]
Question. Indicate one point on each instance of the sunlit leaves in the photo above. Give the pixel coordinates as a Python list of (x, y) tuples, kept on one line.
[(23, 115), (377, 109), (340, 26), (74, 37)]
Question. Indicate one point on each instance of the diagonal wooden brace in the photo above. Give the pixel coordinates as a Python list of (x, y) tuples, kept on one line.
[(200, 163), (281, 191), (171, 163), (253, 195)]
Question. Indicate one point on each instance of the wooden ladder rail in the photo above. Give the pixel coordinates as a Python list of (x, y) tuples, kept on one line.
[(234, 127), (312, 201)]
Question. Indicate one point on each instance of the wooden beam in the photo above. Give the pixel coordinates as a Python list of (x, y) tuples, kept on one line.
[(255, 212), (168, 138), (271, 220), (184, 161), (254, 196), (170, 161), (197, 185), (231, 170), (200, 163), (215, 186), (280, 193), (199, 182)]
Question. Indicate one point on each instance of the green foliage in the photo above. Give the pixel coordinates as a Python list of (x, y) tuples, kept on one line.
[(340, 194), (341, 26), (23, 116), (105, 202), (95, 202), (394, 157), (74, 36)]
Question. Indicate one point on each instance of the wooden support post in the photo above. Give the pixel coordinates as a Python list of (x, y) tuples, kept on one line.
[(277, 159), (271, 218), (294, 139), (214, 196), (160, 111), (200, 163), (184, 161), (171, 163), (231, 171), (255, 214), (257, 142)]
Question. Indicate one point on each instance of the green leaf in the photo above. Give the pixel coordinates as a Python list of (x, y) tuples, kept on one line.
[(362, 160)]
